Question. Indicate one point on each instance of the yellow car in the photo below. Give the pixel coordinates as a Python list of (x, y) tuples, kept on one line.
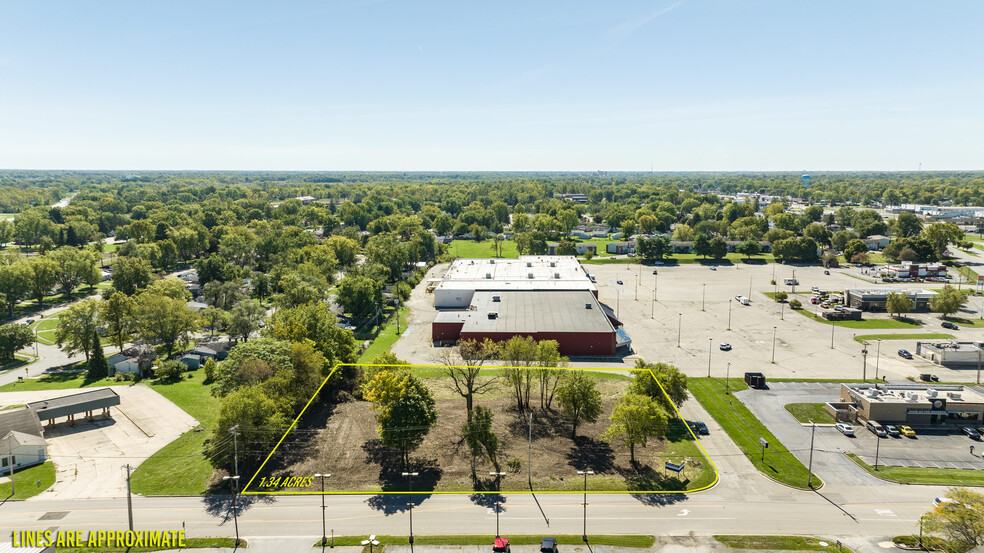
[(907, 432)]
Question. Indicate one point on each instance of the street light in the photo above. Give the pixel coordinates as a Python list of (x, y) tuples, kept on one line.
[(864, 361), (372, 539), (679, 327), (877, 358), (498, 481), (410, 475), (235, 509), (584, 531), (324, 531), (809, 470), (727, 381), (773, 344), (703, 294), (709, 349), (498, 487), (729, 314)]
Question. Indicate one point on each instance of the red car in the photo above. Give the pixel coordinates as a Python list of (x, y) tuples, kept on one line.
[(501, 545)]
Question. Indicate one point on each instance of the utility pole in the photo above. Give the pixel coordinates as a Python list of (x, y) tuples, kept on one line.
[(410, 475), (679, 327), (749, 287), (877, 358), (978, 368), (809, 471), (397, 302), (709, 348), (235, 449), (773, 345), (10, 466), (324, 533), (235, 506), (129, 500)]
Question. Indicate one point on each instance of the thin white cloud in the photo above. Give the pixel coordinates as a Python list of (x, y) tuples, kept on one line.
[(627, 28)]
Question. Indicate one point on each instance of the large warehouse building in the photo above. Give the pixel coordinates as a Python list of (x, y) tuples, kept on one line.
[(529, 272), (543, 297)]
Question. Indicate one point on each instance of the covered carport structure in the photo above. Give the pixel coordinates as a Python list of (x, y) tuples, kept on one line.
[(69, 406)]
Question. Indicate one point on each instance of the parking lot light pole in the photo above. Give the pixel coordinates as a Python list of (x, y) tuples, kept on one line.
[(234, 480), (703, 295), (832, 325), (324, 531), (679, 327), (729, 314), (410, 475), (710, 347), (978, 364), (773, 345), (727, 380), (877, 447), (809, 470), (584, 531), (877, 358), (864, 361)]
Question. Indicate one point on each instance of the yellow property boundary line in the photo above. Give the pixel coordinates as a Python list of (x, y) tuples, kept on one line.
[(494, 367)]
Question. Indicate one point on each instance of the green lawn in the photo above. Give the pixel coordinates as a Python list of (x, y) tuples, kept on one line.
[(806, 412), (866, 323), (916, 475), (180, 467), (780, 543), (45, 330), (628, 540), (385, 339), (860, 338), (742, 426), (26, 481), (975, 323), (191, 543), (471, 248), (61, 381)]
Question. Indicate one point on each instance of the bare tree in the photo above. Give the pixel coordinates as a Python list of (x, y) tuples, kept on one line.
[(464, 374)]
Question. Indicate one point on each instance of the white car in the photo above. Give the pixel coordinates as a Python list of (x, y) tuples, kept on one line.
[(944, 500), (845, 429)]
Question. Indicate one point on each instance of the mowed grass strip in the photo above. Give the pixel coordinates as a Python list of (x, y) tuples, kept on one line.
[(180, 467), (866, 323), (629, 540), (59, 381), (26, 481), (806, 412), (742, 426), (861, 338), (385, 339), (779, 543), (918, 475)]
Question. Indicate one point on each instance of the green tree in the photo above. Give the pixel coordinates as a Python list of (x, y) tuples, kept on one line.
[(244, 318), (170, 287), (97, 367), (898, 303), (296, 289), (317, 322), (635, 419), (961, 520), (345, 249), (749, 248), (260, 419), (781, 296), (212, 319), (131, 274), (76, 327), (649, 378), (853, 248), (405, 410), (940, 235), (579, 399), (702, 245), (719, 248), (465, 376), (116, 315), (164, 321), (14, 337), (481, 440), (210, 366), (223, 295), (907, 224), (947, 301), (44, 272), (15, 283), (359, 295)]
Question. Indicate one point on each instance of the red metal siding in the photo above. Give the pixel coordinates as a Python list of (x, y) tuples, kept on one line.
[(445, 332), (569, 343)]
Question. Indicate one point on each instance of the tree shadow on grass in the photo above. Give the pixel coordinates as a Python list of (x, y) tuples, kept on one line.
[(644, 478), (591, 454), (391, 478)]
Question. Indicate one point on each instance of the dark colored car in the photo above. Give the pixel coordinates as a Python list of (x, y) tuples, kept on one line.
[(970, 433), (548, 545), (980, 430), (905, 354), (826, 272), (619, 282), (951, 326), (892, 431), (701, 428)]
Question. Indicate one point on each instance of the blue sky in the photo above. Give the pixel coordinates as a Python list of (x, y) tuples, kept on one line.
[(507, 85)]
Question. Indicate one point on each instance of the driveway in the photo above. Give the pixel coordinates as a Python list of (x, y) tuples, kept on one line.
[(90, 457)]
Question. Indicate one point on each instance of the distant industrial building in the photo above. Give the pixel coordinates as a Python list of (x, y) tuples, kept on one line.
[(908, 269), (875, 299), (531, 272), (579, 323), (911, 404), (951, 353), (543, 297)]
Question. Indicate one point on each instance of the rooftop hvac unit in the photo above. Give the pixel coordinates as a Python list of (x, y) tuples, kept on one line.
[(529, 263), (491, 262), (953, 395), (496, 299), (488, 275), (930, 392), (553, 263), (493, 315), (912, 396), (587, 306), (872, 392), (557, 275), (529, 275)]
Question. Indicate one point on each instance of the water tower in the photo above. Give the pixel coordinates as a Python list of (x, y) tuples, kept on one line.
[(805, 179)]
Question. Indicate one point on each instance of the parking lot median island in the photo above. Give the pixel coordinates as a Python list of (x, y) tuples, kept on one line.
[(746, 430), (629, 540), (861, 338), (922, 475)]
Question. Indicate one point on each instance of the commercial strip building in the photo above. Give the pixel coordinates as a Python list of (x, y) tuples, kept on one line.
[(908, 269), (951, 353), (875, 299), (543, 297), (910, 404), (21, 439)]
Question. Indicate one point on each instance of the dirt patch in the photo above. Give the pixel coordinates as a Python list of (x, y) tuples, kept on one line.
[(341, 439)]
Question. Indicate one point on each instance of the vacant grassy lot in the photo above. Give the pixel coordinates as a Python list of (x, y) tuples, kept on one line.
[(471, 248), (742, 426), (385, 339), (180, 468), (916, 475), (629, 540), (806, 412), (59, 381), (26, 481), (780, 543)]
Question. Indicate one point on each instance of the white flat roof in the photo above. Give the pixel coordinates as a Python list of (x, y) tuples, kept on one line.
[(542, 267)]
